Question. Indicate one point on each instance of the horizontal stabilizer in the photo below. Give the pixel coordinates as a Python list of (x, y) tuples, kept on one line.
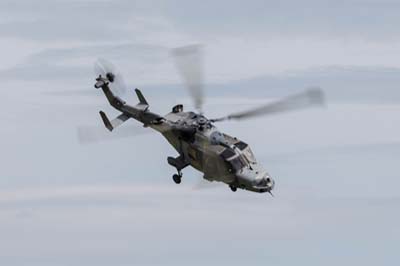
[(110, 125)]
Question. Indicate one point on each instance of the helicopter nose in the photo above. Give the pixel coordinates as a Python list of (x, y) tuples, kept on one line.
[(266, 183), (270, 183)]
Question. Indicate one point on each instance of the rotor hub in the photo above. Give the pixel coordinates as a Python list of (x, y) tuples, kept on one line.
[(110, 76), (202, 121)]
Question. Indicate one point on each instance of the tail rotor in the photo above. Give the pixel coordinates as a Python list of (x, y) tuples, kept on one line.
[(108, 71)]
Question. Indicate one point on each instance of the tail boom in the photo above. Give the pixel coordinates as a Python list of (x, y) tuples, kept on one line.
[(139, 112)]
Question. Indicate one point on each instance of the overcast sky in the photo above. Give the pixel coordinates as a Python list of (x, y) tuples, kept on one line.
[(114, 202)]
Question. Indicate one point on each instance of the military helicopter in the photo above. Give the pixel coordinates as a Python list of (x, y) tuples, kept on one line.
[(198, 142)]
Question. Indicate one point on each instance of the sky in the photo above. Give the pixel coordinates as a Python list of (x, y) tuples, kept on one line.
[(114, 202)]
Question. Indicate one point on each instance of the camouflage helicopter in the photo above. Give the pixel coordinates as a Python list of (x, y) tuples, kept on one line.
[(198, 142)]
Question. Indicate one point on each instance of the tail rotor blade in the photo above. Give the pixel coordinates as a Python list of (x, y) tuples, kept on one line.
[(108, 70)]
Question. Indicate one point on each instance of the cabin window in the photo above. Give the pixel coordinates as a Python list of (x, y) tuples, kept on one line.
[(227, 153)]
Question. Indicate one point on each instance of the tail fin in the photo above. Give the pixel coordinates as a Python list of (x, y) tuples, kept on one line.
[(143, 105), (139, 94), (110, 125)]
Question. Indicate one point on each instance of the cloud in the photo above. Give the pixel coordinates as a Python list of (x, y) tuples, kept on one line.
[(81, 21), (75, 64), (355, 84), (242, 42), (139, 51), (119, 20), (367, 20), (122, 225), (152, 71)]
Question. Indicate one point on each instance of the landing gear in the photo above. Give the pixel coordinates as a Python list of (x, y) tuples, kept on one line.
[(177, 178), (179, 163), (233, 188)]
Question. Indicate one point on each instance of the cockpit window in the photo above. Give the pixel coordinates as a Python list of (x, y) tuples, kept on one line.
[(241, 145), (238, 159), (237, 163), (244, 147), (249, 155)]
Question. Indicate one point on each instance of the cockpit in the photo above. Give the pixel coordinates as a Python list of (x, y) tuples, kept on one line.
[(246, 151), (238, 156)]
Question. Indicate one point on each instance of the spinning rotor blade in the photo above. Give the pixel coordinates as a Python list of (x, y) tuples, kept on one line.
[(302, 100), (94, 134), (189, 62), (108, 70), (203, 184)]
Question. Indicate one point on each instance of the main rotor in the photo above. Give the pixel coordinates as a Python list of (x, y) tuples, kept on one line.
[(189, 62)]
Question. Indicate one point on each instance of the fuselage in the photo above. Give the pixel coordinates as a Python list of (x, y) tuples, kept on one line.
[(219, 156)]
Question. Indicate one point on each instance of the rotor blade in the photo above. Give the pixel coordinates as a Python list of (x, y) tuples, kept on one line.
[(189, 62), (93, 134), (105, 68), (302, 100)]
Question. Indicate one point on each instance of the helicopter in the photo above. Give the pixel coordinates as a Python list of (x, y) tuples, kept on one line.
[(196, 139)]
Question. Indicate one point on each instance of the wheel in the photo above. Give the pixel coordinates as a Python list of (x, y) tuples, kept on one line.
[(233, 188), (177, 178)]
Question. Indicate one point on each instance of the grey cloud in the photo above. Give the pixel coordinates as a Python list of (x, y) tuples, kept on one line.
[(48, 29), (96, 11), (104, 20), (52, 64), (125, 51), (139, 225), (270, 19), (379, 149), (343, 84), (73, 20), (45, 72)]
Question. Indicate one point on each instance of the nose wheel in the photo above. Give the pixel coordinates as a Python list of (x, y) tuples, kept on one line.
[(233, 188)]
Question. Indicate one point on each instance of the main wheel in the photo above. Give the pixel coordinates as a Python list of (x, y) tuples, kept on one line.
[(177, 178), (233, 188)]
